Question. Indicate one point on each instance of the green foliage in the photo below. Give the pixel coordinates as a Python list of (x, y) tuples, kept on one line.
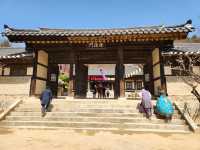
[(64, 79), (194, 37)]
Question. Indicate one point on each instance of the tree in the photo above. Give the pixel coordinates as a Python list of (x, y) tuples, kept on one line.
[(194, 39), (185, 68), (63, 80)]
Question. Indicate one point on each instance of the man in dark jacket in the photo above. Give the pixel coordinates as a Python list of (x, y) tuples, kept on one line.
[(45, 99)]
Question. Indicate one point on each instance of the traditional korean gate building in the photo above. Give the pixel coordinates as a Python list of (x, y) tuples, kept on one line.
[(139, 45)]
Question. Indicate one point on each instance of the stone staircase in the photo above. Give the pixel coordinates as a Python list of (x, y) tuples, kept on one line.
[(91, 115)]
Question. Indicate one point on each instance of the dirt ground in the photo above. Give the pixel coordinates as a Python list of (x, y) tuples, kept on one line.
[(23, 139)]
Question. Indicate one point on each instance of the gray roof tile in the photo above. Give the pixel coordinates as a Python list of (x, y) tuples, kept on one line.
[(11, 51), (183, 48), (190, 47), (98, 32)]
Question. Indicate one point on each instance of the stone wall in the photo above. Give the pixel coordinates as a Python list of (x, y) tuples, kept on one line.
[(180, 92), (13, 85), (176, 86)]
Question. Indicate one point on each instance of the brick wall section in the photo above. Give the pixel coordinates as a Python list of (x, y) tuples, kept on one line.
[(10, 85)]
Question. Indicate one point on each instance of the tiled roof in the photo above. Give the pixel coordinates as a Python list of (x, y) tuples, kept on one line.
[(189, 47), (184, 48), (16, 56), (187, 27), (10, 51), (13, 53), (109, 69)]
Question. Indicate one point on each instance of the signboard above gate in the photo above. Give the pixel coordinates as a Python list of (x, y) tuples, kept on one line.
[(95, 45)]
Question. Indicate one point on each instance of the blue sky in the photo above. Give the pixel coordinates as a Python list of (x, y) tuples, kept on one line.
[(97, 13)]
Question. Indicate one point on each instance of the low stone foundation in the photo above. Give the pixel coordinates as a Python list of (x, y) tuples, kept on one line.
[(177, 86), (13, 85)]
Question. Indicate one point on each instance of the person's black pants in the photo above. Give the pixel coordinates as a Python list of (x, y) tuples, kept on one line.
[(48, 104), (45, 106)]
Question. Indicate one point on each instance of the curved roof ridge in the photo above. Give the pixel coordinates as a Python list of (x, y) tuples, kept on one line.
[(20, 34), (96, 29)]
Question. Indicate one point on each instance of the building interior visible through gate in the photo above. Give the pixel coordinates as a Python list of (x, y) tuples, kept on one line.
[(101, 80)]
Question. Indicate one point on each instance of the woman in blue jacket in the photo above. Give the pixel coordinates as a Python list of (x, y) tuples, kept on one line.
[(164, 107)]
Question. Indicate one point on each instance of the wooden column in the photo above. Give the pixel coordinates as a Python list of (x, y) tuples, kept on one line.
[(162, 73), (71, 78), (77, 74), (81, 76), (119, 75), (70, 90), (33, 78), (81, 80), (158, 71), (148, 75), (40, 69)]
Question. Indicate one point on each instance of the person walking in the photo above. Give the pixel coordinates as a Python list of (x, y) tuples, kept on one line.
[(100, 90), (94, 91), (146, 104), (107, 92), (45, 99)]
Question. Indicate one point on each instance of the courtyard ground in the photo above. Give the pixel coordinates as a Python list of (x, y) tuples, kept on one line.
[(23, 139)]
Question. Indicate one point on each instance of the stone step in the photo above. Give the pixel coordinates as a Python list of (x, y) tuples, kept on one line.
[(84, 100), (132, 105), (96, 102), (93, 130), (85, 104), (98, 110), (120, 126), (92, 108), (94, 119), (76, 109), (86, 114), (91, 115), (82, 105)]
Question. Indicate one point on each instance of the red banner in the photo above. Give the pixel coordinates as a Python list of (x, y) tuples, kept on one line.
[(96, 78)]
